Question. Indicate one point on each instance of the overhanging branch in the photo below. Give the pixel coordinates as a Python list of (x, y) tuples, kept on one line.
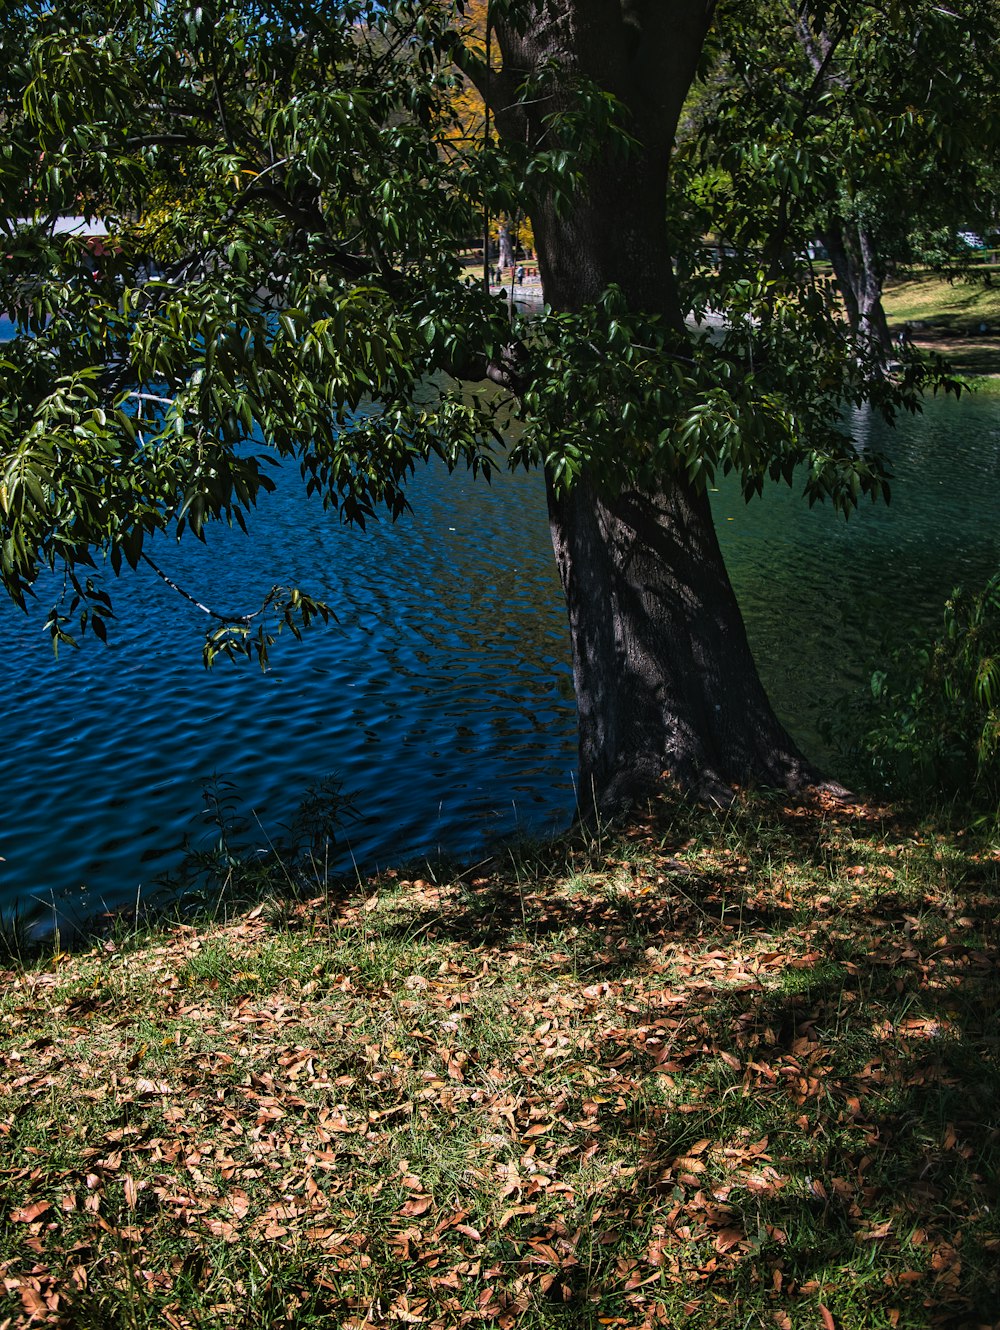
[(205, 609)]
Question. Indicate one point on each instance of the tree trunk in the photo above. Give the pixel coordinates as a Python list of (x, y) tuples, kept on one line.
[(860, 275), (506, 259), (665, 682)]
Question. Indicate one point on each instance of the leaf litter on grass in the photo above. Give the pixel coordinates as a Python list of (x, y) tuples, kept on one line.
[(709, 1074)]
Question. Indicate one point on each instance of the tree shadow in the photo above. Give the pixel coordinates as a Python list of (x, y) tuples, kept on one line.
[(958, 338), (850, 1024)]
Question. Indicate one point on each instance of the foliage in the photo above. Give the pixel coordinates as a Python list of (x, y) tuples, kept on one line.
[(286, 191), (268, 187), (937, 704), (880, 116), (471, 128)]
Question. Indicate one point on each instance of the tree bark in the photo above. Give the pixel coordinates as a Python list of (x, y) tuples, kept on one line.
[(665, 681), (506, 249), (861, 276)]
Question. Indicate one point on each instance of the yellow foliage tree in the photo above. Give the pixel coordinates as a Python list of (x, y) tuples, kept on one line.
[(509, 231)]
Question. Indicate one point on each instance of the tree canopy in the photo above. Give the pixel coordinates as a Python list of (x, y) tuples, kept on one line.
[(282, 232), (286, 198), (869, 128)]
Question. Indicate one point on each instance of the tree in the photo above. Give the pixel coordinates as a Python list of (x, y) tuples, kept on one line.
[(302, 285), (473, 126), (863, 127)]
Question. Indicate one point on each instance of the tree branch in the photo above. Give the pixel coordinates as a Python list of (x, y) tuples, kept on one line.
[(205, 609), (166, 140)]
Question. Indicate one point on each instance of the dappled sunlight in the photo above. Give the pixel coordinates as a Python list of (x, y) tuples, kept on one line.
[(636, 1079)]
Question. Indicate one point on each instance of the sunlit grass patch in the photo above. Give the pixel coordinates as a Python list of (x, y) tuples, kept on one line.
[(959, 304), (960, 319)]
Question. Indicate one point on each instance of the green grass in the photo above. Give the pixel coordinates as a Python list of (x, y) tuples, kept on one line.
[(949, 317), (718, 1072), (957, 306)]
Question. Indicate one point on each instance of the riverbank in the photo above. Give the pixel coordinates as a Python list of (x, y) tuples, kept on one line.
[(718, 1071), (956, 319)]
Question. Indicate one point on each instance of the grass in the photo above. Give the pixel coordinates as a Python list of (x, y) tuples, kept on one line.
[(730, 1071), (949, 317), (958, 306)]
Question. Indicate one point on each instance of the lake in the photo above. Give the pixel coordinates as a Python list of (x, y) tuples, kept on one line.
[(442, 698)]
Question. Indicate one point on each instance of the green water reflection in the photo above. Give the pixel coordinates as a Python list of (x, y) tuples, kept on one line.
[(823, 597)]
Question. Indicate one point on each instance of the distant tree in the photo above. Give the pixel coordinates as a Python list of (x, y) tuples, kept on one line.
[(473, 127), (864, 127), (294, 172)]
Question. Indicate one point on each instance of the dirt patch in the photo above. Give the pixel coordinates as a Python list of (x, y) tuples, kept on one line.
[(974, 354)]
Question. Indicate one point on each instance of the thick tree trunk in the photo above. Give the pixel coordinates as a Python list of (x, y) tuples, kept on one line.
[(860, 275), (665, 681)]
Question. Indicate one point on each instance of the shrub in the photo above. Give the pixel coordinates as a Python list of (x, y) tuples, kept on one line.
[(936, 725)]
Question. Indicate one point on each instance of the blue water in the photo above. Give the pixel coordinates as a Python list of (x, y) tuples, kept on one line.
[(443, 697)]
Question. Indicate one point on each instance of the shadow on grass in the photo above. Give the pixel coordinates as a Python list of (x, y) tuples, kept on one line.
[(832, 992), (788, 1076), (959, 339)]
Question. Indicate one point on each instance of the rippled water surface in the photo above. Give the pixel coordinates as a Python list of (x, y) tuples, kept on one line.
[(823, 597), (442, 698)]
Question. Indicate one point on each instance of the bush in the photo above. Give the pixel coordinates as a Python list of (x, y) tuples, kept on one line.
[(936, 726)]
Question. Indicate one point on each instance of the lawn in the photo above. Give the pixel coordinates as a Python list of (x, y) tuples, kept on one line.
[(723, 1071), (960, 307), (958, 319)]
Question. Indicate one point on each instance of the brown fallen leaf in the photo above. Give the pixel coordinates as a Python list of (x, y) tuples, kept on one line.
[(416, 1205), (33, 1302), (144, 1086), (539, 1129), (508, 1215), (29, 1213), (728, 1238), (222, 1228)]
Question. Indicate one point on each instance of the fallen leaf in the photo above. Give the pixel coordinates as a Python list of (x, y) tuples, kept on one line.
[(145, 1086), (728, 1238), (416, 1205)]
